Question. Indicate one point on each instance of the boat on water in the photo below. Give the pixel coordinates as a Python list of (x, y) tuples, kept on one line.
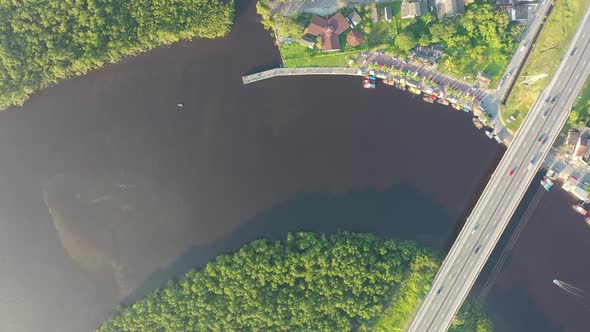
[(400, 86), (457, 107), (442, 101), (370, 77), (546, 183), (368, 85), (428, 99), (477, 122), (388, 82), (580, 209), (415, 91), (489, 134)]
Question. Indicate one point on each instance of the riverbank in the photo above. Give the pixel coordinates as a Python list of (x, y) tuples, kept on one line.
[(318, 282), (240, 163), (393, 72), (49, 41), (363, 26)]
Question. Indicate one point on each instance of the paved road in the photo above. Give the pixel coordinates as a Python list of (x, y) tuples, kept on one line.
[(503, 193), (519, 57)]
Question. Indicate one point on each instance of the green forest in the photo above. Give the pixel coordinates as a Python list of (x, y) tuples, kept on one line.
[(42, 42), (310, 282)]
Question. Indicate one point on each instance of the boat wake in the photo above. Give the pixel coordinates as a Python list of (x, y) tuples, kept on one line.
[(569, 288)]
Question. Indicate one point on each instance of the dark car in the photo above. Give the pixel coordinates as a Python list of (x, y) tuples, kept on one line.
[(478, 248), (554, 99), (439, 290)]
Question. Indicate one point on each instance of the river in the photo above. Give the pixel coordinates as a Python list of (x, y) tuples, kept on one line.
[(107, 189)]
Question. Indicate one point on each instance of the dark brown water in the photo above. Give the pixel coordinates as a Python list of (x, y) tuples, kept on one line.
[(107, 189)]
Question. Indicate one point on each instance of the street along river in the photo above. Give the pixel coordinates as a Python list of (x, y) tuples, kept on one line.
[(108, 189)]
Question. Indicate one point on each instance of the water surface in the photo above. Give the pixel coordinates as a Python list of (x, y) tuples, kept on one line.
[(107, 189)]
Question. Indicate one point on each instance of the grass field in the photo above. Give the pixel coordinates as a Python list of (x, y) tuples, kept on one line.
[(295, 55), (544, 59)]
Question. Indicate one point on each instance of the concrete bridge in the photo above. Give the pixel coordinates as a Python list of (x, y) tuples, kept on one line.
[(506, 188)]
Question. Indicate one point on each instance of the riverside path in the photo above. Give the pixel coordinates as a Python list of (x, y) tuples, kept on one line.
[(505, 188)]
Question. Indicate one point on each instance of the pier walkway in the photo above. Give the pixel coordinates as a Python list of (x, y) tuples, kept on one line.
[(301, 72)]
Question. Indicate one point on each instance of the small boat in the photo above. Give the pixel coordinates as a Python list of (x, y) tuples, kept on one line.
[(580, 209), (415, 91), (388, 82), (477, 123), (442, 101), (370, 77), (490, 134), (369, 85), (547, 183), (587, 219), (467, 110), (457, 107), (428, 99), (400, 86)]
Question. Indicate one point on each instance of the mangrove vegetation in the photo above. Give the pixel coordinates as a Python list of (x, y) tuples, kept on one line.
[(42, 42), (310, 282)]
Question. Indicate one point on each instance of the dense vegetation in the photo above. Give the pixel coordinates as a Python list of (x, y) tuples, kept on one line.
[(342, 282), (44, 41), (482, 39), (580, 115)]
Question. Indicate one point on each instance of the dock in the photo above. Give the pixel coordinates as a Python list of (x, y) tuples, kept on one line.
[(301, 72)]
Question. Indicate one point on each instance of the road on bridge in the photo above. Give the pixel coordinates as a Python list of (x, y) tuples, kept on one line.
[(505, 189)]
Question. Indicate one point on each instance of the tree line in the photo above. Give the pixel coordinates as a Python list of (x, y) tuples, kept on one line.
[(42, 42), (310, 282)]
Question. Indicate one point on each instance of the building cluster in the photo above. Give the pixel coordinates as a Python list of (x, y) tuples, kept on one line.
[(328, 30), (519, 10), (579, 140), (430, 54), (578, 144)]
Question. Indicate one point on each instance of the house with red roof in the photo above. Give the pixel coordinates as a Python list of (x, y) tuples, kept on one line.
[(328, 30)]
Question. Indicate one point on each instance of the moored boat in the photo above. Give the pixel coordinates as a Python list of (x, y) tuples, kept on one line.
[(547, 183), (442, 101), (477, 122), (415, 91), (428, 99), (580, 209)]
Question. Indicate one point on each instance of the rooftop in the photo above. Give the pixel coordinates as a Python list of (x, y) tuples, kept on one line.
[(354, 38), (355, 18), (328, 30), (411, 9), (449, 8)]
